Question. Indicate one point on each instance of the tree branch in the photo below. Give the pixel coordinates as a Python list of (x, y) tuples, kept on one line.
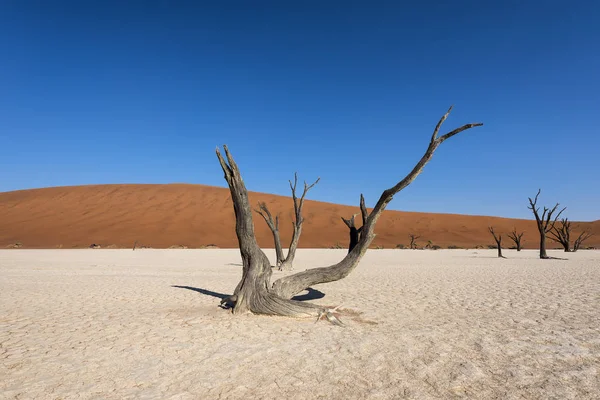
[(290, 285)]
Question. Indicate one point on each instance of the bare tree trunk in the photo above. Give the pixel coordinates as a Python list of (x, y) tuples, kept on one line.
[(516, 237), (498, 240), (134, 244), (254, 293), (545, 223), (543, 253)]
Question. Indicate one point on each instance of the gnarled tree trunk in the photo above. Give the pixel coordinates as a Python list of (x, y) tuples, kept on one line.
[(545, 223), (254, 292)]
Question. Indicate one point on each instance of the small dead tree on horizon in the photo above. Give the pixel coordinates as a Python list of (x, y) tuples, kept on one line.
[(561, 233), (413, 238), (545, 223), (286, 264), (255, 293), (498, 240), (583, 236), (516, 237)]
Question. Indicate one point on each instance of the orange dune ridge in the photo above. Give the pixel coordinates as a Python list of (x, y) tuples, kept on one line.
[(161, 216)]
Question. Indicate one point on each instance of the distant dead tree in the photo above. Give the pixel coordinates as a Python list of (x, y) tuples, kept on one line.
[(561, 233), (545, 223), (498, 240), (351, 224), (413, 238), (516, 237), (255, 292), (287, 262), (583, 236), (134, 244)]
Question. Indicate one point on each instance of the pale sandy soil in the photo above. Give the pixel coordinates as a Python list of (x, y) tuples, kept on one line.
[(108, 324)]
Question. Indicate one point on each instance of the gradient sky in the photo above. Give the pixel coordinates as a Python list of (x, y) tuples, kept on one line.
[(142, 92)]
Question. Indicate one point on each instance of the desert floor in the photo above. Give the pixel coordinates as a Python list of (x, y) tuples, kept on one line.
[(112, 324)]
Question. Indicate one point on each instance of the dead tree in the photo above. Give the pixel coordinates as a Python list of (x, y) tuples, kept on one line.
[(413, 238), (351, 224), (516, 237), (583, 236), (255, 292), (562, 234), (287, 262), (498, 240), (545, 223)]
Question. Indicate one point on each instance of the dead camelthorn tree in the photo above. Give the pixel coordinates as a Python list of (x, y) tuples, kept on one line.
[(413, 238), (351, 224), (561, 233), (516, 237), (255, 292), (287, 262), (545, 223), (498, 240), (583, 236)]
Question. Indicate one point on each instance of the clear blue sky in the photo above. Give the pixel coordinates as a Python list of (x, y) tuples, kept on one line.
[(142, 92)]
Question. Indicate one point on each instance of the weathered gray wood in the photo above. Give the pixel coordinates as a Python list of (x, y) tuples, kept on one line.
[(291, 285), (286, 263), (273, 225), (254, 293)]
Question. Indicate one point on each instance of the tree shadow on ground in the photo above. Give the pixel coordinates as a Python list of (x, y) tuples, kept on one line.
[(203, 291), (312, 294)]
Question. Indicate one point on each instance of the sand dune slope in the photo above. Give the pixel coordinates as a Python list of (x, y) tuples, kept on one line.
[(161, 216)]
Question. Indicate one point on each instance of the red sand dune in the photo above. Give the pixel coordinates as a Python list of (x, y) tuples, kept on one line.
[(161, 216)]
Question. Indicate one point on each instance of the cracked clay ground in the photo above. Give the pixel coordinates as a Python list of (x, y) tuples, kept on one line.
[(109, 324)]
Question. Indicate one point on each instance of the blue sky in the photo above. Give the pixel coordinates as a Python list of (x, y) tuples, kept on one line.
[(142, 92)]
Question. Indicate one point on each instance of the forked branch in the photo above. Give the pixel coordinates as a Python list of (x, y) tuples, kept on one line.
[(273, 225)]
